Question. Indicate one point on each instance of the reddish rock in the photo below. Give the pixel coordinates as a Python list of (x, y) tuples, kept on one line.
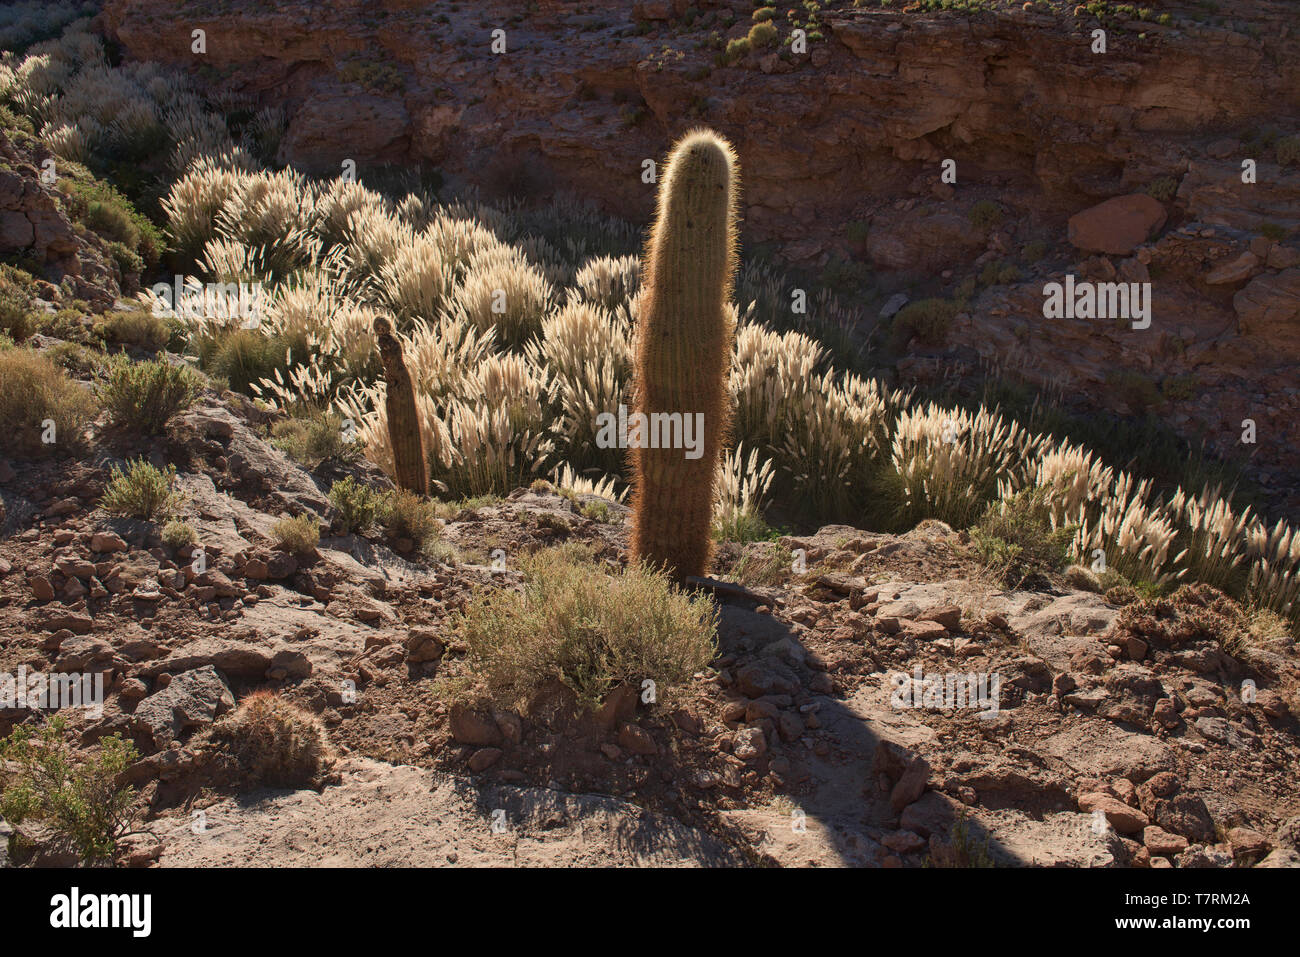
[(1117, 226), (484, 758), (107, 542), (1125, 819), (1159, 841), (634, 738), (1236, 270), (947, 615), (469, 726)]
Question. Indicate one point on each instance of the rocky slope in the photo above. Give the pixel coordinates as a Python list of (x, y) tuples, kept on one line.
[(1120, 736), (841, 149)]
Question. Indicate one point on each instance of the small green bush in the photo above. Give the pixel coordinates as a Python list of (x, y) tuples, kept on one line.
[(1288, 151), (313, 439), (1033, 251), (244, 357), (145, 395), (1015, 538), (80, 802), (178, 533), (16, 318), (737, 49), (34, 392), (927, 319), (985, 214), (299, 535), (762, 35), (1163, 188), (406, 515), (103, 210), (357, 504), (590, 630), (137, 327), (142, 491)]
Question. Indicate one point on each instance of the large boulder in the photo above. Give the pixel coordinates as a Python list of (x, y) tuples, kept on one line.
[(1117, 226), (193, 699)]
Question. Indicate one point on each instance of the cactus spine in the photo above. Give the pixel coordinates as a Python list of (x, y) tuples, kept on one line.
[(683, 351), (409, 469)]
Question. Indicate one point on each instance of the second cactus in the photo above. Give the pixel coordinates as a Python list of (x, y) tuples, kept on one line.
[(683, 351), (409, 468)]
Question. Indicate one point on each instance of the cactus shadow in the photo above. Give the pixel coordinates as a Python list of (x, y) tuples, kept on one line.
[(846, 810)]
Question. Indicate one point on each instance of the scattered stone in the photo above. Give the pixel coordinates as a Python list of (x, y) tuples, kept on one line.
[(484, 758), (634, 738), (1125, 819), (1159, 841), (193, 699), (469, 726), (107, 542)]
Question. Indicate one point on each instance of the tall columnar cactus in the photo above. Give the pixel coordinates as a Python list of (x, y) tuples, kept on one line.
[(409, 470), (683, 351)]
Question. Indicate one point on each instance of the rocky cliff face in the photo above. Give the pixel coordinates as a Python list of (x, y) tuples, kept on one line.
[(842, 149)]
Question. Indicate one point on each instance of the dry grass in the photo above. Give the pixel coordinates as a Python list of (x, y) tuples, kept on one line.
[(34, 394), (590, 630), (299, 535)]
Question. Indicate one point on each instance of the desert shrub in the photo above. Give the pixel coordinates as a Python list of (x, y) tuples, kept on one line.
[(407, 516), (985, 214), (244, 357), (76, 358), (78, 800), (1016, 538), (737, 49), (962, 850), (103, 210), (1272, 231), (267, 742), (299, 535), (1163, 188), (762, 564), (589, 630), (34, 391), (178, 533), (135, 327), (763, 14), (1288, 150), (762, 35), (16, 318), (145, 395), (1033, 251), (316, 438), (140, 491), (999, 274), (357, 505), (926, 319)]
